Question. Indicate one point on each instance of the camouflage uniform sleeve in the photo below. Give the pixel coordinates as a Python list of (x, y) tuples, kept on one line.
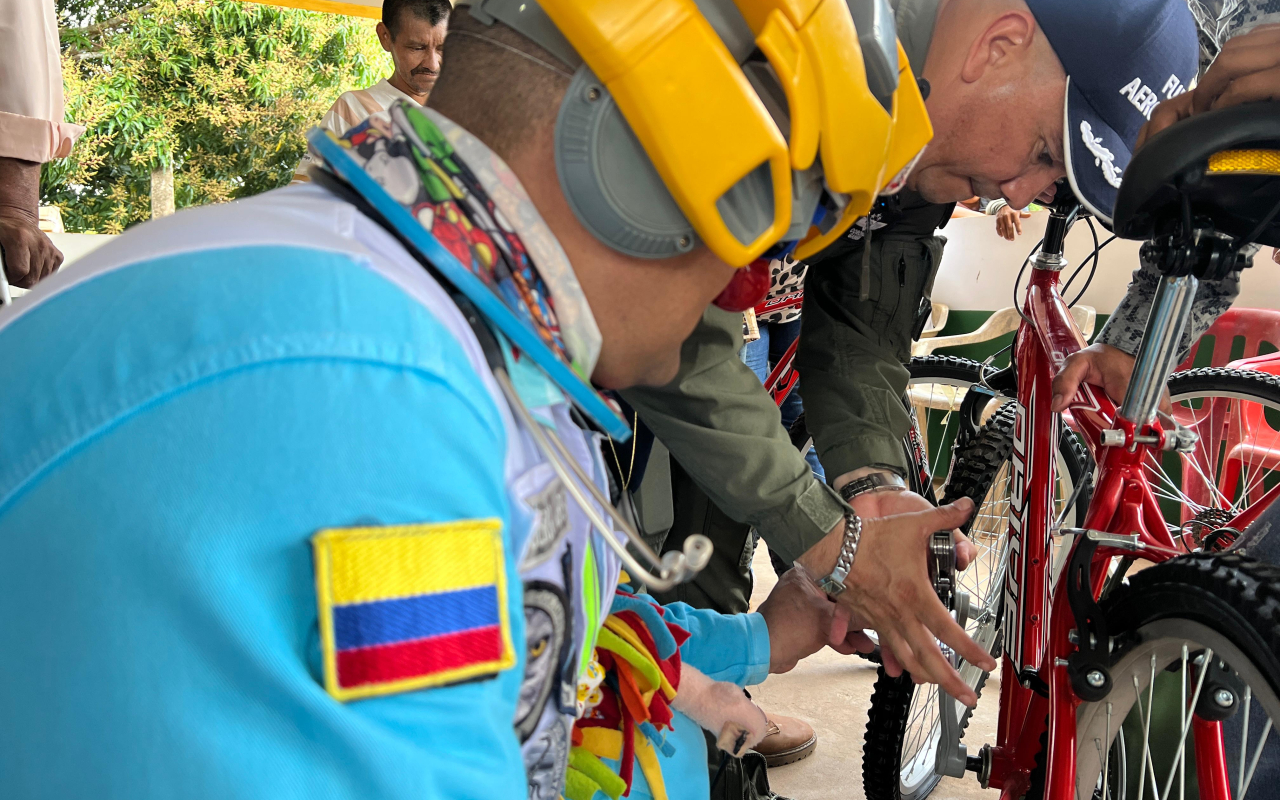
[(1128, 322), (1218, 20)]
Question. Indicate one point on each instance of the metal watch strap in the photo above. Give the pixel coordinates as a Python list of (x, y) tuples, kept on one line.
[(833, 584), (875, 482)]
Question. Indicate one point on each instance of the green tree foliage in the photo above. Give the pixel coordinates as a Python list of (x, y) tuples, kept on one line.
[(219, 91)]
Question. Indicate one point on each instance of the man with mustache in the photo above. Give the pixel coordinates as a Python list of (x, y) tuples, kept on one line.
[(413, 32)]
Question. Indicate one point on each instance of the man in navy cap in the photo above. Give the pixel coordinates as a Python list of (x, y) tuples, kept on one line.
[(1022, 93)]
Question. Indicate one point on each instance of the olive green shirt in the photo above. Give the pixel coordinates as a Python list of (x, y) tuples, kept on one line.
[(724, 429)]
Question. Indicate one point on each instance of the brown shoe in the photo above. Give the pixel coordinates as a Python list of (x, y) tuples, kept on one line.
[(787, 741)]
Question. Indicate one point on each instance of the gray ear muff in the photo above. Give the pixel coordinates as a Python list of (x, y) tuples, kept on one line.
[(611, 185), (878, 37), (616, 192), (608, 179), (528, 19)]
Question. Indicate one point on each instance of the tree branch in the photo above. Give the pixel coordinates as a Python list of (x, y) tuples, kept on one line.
[(90, 31)]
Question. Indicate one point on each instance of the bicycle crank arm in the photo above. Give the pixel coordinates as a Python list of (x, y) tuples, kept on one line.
[(952, 756)]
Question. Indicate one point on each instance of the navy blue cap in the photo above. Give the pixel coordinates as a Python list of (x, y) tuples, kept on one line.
[(1122, 57)]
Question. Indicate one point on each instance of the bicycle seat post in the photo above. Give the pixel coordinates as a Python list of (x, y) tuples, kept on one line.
[(1158, 352), (1182, 259)]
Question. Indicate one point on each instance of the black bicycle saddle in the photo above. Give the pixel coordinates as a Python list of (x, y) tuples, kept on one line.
[(1227, 165)]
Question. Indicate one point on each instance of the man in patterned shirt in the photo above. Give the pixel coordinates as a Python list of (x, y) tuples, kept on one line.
[(413, 32), (779, 328)]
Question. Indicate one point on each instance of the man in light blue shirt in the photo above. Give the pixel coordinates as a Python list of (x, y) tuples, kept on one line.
[(302, 496)]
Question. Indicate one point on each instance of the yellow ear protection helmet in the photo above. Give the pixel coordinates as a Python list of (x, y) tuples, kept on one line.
[(748, 125)]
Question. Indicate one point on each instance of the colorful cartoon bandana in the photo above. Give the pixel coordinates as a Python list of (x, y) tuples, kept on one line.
[(471, 202)]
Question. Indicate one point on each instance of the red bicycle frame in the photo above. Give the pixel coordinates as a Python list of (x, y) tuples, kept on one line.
[(1036, 690), (783, 378)]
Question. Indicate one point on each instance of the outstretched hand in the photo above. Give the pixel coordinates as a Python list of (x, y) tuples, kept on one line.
[(889, 589), (1247, 69), (1099, 364), (889, 504), (802, 620)]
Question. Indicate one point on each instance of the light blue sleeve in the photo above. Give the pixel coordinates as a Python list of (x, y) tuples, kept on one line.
[(725, 647), (155, 559)]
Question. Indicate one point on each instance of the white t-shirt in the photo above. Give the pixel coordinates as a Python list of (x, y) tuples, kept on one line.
[(349, 110)]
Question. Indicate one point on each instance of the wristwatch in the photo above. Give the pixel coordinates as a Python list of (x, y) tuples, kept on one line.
[(875, 482), (833, 584)]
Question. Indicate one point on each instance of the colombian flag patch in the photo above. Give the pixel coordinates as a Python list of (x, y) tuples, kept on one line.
[(405, 607)]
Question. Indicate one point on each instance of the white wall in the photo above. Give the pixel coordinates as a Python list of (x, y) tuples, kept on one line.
[(979, 268)]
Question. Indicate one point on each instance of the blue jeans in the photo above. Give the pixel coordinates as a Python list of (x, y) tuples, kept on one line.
[(762, 355)]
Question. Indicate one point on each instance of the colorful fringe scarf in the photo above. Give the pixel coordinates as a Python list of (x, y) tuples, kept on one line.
[(626, 697)]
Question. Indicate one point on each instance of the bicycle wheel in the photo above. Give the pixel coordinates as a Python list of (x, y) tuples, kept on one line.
[(903, 726), (1203, 631), (1236, 415)]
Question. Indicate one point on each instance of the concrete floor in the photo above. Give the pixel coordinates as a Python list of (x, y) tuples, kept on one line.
[(832, 692)]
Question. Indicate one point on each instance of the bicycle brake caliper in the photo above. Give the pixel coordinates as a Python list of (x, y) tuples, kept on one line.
[(1088, 667)]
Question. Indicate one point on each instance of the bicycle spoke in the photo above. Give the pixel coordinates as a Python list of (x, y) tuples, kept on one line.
[(1257, 754), (922, 732), (918, 732), (1106, 757), (1146, 731), (1179, 760), (1180, 496), (1197, 464), (1182, 712), (1167, 494), (1244, 742), (1256, 483)]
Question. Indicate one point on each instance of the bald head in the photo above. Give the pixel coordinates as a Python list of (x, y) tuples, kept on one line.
[(996, 102)]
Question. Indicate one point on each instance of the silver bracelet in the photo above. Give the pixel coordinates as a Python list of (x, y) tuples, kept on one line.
[(875, 482), (833, 584)]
